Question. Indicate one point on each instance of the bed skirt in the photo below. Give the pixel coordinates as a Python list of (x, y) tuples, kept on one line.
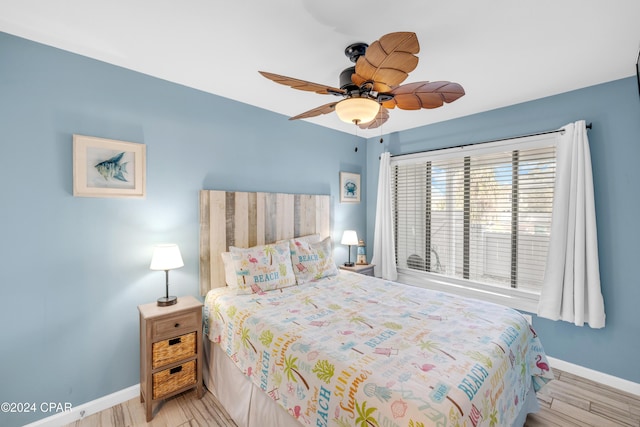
[(249, 406)]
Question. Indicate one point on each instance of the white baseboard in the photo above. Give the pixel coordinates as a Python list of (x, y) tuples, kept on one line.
[(110, 400), (89, 408), (597, 376)]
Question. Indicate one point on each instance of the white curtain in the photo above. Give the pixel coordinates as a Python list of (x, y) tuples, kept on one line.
[(384, 253), (571, 288)]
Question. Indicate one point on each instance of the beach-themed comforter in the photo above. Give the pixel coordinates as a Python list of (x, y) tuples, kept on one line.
[(356, 350)]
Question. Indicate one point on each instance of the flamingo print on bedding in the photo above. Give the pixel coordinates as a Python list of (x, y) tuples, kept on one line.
[(356, 350)]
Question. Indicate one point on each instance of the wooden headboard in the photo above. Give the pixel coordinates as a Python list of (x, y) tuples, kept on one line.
[(241, 219)]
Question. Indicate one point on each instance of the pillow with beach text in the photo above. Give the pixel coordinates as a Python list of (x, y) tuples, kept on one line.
[(312, 261), (263, 268)]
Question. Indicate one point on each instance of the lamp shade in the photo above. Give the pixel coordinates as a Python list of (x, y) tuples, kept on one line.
[(166, 257), (357, 110), (349, 237)]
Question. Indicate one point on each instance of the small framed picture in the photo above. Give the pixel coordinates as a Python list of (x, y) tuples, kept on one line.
[(349, 187), (108, 168), (638, 71)]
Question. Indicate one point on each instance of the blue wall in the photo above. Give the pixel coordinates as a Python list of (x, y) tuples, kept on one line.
[(614, 110), (75, 269)]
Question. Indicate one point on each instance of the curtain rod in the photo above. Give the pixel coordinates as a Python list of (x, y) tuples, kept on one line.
[(588, 126)]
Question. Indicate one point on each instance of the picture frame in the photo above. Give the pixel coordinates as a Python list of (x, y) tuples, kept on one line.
[(108, 168), (638, 71), (350, 187)]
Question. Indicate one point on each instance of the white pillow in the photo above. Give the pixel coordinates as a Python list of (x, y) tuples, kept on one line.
[(230, 277)]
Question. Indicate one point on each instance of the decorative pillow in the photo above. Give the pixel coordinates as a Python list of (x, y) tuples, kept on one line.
[(230, 277), (312, 261), (263, 268)]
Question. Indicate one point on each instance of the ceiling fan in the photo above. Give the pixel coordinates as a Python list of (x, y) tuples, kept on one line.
[(372, 87)]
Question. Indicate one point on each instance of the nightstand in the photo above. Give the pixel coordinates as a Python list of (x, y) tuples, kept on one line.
[(366, 269), (170, 350)]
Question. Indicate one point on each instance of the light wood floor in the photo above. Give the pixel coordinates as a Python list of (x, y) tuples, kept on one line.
[(569, 401), (572, 401), (180, 411)]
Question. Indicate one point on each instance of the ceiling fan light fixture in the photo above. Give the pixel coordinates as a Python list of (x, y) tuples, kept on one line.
[(374, 84), (357, 110)]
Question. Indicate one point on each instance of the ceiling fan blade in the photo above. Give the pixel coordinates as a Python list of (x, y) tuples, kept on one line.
[(390, 59), (414, 96), (389, 104), (323, 109), (377, 86), (382, 117), (303, 84)]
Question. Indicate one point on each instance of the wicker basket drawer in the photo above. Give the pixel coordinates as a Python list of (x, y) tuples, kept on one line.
[(169, 380), (175, 325), (173, 350)]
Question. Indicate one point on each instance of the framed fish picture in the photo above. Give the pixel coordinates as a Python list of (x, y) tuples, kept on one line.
[(349, 187), (108, 168)]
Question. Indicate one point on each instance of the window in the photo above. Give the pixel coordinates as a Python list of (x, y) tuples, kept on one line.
[(478, 216)]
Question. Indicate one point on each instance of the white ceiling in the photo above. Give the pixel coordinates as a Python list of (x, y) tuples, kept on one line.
[(502, 52)]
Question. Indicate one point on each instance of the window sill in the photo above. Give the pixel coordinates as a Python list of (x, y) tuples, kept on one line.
[(514, 298)]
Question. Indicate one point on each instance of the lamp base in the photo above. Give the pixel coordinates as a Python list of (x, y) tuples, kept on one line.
[(165, 301), (348, 264)]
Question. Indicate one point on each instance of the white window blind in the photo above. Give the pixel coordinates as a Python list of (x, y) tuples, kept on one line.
[(481, 213)]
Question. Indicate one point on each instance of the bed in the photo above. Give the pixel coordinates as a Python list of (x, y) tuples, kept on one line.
[(335, 348)]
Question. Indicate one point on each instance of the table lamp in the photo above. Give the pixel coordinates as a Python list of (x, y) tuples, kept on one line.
[(166, 257), (350, 238)]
